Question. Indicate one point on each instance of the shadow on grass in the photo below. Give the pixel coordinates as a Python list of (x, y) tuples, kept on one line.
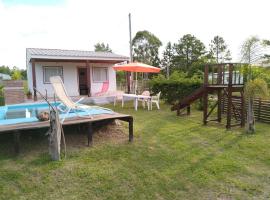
[(42, 159), (31, 142), (35, 143)]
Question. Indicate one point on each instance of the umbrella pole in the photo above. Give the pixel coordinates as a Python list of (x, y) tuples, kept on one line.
[(136, 83)]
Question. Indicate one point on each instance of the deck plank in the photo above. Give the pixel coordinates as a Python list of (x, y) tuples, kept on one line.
[(68, 121)]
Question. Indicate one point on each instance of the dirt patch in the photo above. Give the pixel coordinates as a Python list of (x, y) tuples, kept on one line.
[(112, 132)]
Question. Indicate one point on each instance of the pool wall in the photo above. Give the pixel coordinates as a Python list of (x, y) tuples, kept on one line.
[(41, 106), (3, 111)]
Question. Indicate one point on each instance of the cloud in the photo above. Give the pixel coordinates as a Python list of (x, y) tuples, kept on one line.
[(79, 24)]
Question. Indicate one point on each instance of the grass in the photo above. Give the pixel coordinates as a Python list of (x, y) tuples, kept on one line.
[(171, 158)]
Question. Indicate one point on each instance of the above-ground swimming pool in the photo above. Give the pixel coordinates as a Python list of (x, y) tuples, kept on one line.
[(23, 113)]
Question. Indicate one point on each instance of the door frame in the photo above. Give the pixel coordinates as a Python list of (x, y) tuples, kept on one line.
[(88, 82)]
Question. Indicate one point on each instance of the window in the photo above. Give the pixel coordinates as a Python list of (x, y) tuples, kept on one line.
[(100, 74), (51, 71)]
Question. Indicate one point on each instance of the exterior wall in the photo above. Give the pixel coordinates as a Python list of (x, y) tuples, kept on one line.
[(70, 75), (96, 86), (29, 73)]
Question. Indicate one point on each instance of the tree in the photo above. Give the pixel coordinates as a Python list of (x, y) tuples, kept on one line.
[(23, 74), (254, 88), (16, 75), (266, 44), (251, 52), (101, 47), (167, 59), (218, 50), (188, 50), (5, 70), (146, 48)]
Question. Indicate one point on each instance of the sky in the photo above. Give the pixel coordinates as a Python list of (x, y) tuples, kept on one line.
[(79, 24)]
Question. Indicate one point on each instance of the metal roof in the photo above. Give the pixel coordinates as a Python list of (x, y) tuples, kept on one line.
[(5, 76), (39, 53)]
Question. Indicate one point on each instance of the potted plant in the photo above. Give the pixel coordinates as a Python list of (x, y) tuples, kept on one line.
[(29, 94)]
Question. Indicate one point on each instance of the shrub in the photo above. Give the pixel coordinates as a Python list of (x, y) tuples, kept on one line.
[(2, 100), (16, 75), (25, 87), (174, 90)]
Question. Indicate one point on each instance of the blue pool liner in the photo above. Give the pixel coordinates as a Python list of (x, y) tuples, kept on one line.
[(3, 110), (30, 106), (17, 121)]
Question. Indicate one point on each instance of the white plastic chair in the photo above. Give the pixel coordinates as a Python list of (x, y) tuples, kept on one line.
[(144, 100), (155, 99)]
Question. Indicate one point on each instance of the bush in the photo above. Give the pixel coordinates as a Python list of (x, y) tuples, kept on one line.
[(25, 87), (16, 75), (174, 90), (2, 100)]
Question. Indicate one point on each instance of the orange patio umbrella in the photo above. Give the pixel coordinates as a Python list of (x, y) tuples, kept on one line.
[(136, 67)]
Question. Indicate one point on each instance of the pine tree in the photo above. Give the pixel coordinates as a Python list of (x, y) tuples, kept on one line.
[(219, 50)]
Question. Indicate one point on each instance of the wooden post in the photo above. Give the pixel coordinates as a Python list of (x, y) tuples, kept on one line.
[(205, 96), (205, 107), (219, 94), (34, 78), (243, 109), (239, 75), (55, 133), (129, 119), (130, 127), (89, 134), (178, 112), (223, 74), (229, 106), (88, 80), (234, 78), (259, 109), (17, 142), (188, 110), (219, 107)]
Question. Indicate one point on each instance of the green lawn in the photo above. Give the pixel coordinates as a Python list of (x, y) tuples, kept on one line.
[(171, 158)]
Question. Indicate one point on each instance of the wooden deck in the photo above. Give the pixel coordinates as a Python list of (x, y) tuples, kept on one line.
[(233, 87), (17, 129)]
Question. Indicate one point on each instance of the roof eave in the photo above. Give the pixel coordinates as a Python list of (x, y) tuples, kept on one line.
[(120, 59)]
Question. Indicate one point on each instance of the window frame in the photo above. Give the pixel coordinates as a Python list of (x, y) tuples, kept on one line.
[(44, 67), (107, 74)]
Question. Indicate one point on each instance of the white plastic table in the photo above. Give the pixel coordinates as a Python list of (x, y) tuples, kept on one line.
[(136, 97)]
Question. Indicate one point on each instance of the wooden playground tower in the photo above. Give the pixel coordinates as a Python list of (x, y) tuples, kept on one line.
[(226, 81)]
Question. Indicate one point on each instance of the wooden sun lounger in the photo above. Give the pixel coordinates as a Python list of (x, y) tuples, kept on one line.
[(17, 129)]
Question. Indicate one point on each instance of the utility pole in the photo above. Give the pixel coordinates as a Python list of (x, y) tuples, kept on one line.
[(217, 49), (130, 38), (129, 76)]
